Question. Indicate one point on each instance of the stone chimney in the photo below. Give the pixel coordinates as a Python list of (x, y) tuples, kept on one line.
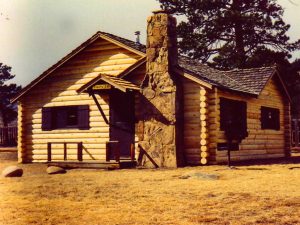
[(161, 121)]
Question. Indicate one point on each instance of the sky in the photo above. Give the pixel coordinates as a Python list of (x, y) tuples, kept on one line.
[(35, 34)]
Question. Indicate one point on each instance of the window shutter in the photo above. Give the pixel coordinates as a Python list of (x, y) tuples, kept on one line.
[(225, 113), (244, 119), (277, 119), (83, 117), (46, 118), (264, 118)]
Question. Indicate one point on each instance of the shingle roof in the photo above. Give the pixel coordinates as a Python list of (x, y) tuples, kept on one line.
[(117, 82), (129, 43), (250, 81), (254, 79)]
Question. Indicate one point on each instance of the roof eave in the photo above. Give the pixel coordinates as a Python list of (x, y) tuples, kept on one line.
[(108, 80), (185, 73), (238, 91), (56, 66), (89, 84), (133, 67), (281, 82), (68, 57)]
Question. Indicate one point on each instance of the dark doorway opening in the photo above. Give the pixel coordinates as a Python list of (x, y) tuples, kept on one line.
[(121, 122)]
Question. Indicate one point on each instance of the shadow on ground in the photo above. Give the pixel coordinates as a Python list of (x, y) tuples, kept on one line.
[(290, 160), (8, 154)]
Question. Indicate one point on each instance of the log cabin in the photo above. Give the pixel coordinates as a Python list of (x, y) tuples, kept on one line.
[(114, 100)]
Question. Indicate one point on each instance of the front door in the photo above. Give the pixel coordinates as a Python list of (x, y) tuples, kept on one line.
[(122, 121)]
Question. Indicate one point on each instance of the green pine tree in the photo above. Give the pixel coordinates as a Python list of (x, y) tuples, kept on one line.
[(7, 91), (228, 33)]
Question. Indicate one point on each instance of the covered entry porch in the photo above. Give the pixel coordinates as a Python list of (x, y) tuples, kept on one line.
[(120, 148)]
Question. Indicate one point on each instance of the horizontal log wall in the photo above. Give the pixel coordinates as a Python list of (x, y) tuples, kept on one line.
[(259, 143), (59, 89), (192, 122)]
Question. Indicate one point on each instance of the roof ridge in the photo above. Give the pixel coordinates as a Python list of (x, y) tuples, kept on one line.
[(252, 68)]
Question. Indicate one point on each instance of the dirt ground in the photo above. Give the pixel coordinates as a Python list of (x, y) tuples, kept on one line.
[(256, 194)]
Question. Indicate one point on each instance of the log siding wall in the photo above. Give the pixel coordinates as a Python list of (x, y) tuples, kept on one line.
[(59, 89), (192, 123)]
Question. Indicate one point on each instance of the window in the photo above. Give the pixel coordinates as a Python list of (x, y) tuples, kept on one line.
[(270, 118), (65, 117), (72, 116), (233, 118)]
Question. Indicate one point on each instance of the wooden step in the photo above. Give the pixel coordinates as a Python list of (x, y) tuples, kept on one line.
[(93, 164)]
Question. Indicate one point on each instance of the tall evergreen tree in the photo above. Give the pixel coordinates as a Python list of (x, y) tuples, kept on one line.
[(293, 82), (7, 91), (227, 33)]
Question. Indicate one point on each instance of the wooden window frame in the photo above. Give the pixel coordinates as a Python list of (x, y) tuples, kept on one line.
[(56, 118)]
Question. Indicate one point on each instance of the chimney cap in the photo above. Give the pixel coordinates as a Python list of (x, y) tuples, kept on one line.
[(165, 11)]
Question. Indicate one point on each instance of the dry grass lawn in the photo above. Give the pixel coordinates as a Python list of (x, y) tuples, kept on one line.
[(265, 194)]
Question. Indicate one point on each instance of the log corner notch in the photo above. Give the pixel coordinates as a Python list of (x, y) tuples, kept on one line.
[(203, 133), (161, 115), (21, 128)]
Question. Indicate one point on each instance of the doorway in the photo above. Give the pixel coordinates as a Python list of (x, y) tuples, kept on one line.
[(122, 117)]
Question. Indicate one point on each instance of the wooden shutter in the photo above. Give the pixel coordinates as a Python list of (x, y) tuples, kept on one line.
[(225, 113), (263, 117), (243, 119), (46, 118), (276, 113), (83, 117)]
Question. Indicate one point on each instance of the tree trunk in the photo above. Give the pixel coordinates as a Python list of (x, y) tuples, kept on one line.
[(239, 34)]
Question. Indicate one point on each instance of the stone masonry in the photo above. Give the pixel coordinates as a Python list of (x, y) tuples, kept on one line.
[(158, 127)]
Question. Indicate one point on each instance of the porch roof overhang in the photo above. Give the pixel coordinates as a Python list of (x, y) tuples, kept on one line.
[(116, 82)]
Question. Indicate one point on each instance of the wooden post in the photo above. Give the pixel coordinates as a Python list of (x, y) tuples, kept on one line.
[(49, 151), (132, 152), (79, 150), (228, 156), (107, 152), (65, 151), (296, 136), (140, 156)]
